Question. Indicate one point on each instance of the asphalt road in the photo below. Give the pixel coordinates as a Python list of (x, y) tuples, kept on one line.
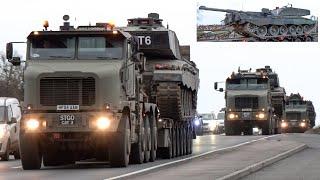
[(304, 165), (92, 170)]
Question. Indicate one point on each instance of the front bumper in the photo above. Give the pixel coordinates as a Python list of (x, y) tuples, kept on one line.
[(247, 116), (83, 122)]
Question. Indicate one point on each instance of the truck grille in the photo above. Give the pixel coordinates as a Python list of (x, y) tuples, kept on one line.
[(246, 102), (293, 116), (63, 91)]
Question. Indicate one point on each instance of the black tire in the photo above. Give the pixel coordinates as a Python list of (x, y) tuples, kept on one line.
[(178, 141), (31, 156), (16, 154), (184, 140), (266, 129), (154, 138), (120, 146), (6, 155), (167, 151), (174, 142), (147, 139), (137, 153)]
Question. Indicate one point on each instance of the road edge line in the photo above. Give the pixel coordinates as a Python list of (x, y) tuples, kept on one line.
[(226, 149), (262, 164)]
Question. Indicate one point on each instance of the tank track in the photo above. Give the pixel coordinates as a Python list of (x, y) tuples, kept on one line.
[(175, 101), (289, 32)]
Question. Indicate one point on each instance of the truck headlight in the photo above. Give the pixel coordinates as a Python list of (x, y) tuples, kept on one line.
[(232, 116), (32, 124), (197, 122), (261, 115), (103, 123), (284, 124), (303, 124)]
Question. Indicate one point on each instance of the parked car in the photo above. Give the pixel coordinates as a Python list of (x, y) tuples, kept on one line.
[(198, 125), (10, 115), (209, 122)]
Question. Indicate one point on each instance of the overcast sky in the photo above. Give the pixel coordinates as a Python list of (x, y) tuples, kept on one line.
[(296, 63)]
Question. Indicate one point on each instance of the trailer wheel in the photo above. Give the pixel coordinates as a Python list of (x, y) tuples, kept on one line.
[(174, 142), (119, 149), (184, 140), (154, 138), (147, 139), (137, 155), (31, 156)]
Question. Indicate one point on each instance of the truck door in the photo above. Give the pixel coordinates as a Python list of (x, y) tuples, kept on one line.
[(130, 80)]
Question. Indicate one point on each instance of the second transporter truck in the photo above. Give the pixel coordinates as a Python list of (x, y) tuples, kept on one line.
[(300, 114), (252, 100), (85, 97)]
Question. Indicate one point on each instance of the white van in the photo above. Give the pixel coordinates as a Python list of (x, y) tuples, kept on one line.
[(10, 115)]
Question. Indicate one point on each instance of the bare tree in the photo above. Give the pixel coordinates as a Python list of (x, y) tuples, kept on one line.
[(11, 79)]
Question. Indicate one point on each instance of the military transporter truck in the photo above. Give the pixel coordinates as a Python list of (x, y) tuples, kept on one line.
[(280, 24), (248, 103), (277, 93), (171, 80), (84, 98), (300, 114)]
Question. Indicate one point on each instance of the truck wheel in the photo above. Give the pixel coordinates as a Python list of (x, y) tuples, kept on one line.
[(154, 138), (147, 135), (6, 155), (16, 154), (174, 142), (266, 130), (137, 155), (184, 140), (178, 140), (31, 156), (119, 149)]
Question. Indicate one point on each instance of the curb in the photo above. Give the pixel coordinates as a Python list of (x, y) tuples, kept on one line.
[(262, 164), (179, 161)]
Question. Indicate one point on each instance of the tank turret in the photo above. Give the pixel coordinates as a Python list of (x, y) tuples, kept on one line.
[(280, 22)]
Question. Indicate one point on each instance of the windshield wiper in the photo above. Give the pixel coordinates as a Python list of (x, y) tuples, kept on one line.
[(59, 56)]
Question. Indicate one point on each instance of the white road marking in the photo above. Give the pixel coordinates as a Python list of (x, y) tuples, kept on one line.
[(16, 167), (188, 158)]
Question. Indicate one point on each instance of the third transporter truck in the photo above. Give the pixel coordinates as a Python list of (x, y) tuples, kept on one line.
[(86, 96), (249, 103), (300, 114)]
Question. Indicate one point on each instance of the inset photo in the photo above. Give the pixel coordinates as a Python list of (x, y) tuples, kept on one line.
[(256, 21)]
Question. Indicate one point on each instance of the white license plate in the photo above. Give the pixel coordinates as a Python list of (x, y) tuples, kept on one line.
[(67, 119), (68, 107)]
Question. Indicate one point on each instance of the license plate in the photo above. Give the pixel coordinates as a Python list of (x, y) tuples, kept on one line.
[(246, 115), (68, 107), (67, 119)]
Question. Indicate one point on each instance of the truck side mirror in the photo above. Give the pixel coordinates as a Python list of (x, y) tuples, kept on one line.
[(220, 89), (216, 85), (16, 61), (9, 51)]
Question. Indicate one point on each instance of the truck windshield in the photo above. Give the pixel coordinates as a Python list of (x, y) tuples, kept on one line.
[(252, 84), (207, 117), (100, 48), (64, 47), (2, 111), (52, 47)]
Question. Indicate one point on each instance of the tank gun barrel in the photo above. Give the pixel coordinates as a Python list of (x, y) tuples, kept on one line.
[(216, 9)]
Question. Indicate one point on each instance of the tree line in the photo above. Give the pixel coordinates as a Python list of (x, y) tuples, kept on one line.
[(11, 79)]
